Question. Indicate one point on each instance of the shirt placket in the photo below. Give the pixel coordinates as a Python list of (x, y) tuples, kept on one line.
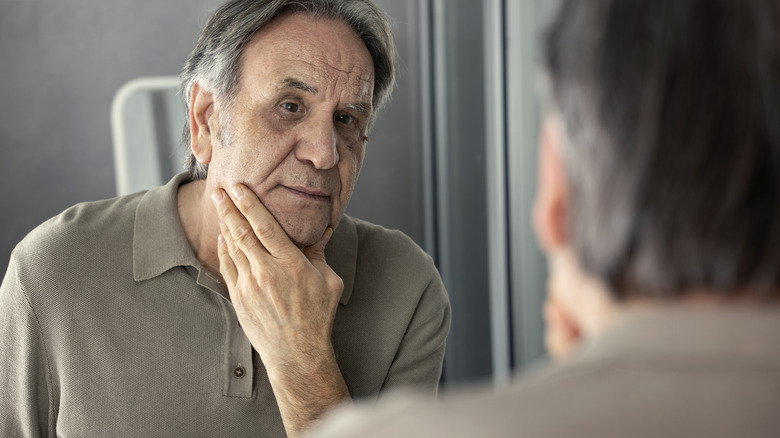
[(238, 368)]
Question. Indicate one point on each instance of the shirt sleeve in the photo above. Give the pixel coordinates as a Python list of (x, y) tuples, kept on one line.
[(23, 377), (418, 362)]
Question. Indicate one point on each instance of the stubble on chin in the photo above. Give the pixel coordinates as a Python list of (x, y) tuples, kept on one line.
[(300, 230)]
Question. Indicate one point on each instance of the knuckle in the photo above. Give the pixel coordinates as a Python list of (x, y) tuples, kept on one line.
[(244, 239), (265, 231), (335, 284), (247, 208), (266, 278), (234, 252)]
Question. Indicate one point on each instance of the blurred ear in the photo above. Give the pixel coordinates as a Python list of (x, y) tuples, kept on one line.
[(201, 120), (551, 207)]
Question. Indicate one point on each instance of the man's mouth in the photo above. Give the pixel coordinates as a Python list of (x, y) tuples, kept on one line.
[(312, 194)]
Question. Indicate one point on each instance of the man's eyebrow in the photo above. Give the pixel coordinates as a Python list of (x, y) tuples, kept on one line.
[(298, 84), (363, 108)]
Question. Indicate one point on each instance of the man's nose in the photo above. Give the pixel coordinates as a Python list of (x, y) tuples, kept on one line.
[(318, 144)]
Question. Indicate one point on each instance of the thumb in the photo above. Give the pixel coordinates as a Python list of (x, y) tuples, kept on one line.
[(316, 256), (316, 253)]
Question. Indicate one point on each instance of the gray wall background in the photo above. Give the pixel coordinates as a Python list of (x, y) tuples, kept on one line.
[(61, 61)]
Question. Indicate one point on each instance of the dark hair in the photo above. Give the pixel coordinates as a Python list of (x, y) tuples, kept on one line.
[(215, 63), (671, 111)]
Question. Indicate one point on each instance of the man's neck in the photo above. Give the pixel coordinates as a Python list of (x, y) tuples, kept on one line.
[(199, 220)]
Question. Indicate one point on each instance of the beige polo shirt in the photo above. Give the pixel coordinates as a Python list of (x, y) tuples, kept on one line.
[(109, 326)]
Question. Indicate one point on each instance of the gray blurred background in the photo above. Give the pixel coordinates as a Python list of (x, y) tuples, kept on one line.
[(451, 160)]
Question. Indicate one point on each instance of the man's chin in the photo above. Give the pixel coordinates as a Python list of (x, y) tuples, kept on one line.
[(303, 229), (303, 237)]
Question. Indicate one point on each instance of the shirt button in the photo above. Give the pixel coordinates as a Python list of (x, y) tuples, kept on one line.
[(239, 371)]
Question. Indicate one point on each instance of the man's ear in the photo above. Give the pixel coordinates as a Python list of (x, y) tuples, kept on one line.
[(201, 119), (551, 206)]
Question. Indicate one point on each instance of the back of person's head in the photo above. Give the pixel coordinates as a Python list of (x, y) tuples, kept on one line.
[(671, 111), (215, 62)]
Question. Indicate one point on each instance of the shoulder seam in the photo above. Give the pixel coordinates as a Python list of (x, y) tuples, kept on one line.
[(49, 383)]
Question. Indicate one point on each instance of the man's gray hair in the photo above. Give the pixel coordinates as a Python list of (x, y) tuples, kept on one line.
[(215, 63), (671, 111)]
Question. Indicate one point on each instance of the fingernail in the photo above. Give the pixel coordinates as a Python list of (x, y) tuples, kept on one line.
[(220, 240), (237, 192), (216, 196)]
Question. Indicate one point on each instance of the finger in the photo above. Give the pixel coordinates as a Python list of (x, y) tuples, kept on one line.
[(228, 269), (236, 226), (316, 256), (561, 333), (265, 226), (233, 265), (238, 258), (316, 252), (226, 266)]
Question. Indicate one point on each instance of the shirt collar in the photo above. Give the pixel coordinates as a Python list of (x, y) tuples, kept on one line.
[(159, 242), (742, 332), (341, 254)]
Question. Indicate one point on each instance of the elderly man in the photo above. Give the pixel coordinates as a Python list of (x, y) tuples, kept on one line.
[(658, 207), (238, 299)]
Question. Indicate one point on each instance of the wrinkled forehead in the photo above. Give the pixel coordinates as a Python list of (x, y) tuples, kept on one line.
[(315, 73), (324, 53)]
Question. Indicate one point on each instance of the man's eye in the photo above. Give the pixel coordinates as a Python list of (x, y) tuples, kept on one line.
[(345, 119), (291, 107)]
